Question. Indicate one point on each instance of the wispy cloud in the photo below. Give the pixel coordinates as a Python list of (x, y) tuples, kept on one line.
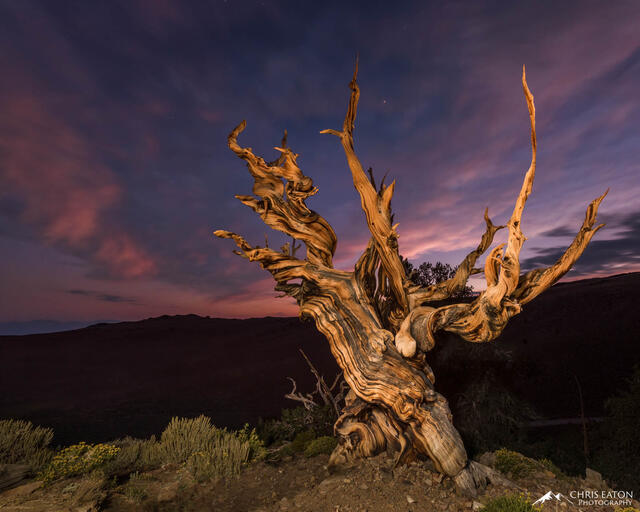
[(102, 296), (616, 255)]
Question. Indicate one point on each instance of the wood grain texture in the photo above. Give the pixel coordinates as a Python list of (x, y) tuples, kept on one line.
[(379, 325)]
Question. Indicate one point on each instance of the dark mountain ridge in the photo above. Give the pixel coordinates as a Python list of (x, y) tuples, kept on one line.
[(110, 380)]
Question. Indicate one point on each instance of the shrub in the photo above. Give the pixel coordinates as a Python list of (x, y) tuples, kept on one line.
[(133, 455), (324, 444), (489, 416), (135, 493), (222, 459), (133, 490), (515, 463), (616, 453), (207, 451), (257, 451), (22, 443), (294, 421), (78, 459), (510, 503), (550, 466), (302, 440), (185, 436)]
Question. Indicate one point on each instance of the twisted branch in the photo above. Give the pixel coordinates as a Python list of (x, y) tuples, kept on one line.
[(377, 207), (287, 214)]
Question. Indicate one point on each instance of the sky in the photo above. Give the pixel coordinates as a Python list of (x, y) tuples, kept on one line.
[(115, 171)]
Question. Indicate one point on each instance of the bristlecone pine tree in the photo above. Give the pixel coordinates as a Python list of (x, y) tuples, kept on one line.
[(378, 323)]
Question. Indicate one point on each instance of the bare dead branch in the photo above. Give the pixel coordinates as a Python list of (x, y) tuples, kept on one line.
[(377, 207), (533, 283), (287, 214), (307, 401), (324, 392), (485, 318), (282, 266)]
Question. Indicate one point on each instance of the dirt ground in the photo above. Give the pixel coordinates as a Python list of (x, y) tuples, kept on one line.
[(297, 484)]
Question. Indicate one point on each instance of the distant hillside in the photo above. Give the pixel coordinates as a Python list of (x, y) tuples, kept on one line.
[(39, 327), (109, 380)]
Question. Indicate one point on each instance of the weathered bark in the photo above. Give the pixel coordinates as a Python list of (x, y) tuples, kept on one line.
[(378, 324)]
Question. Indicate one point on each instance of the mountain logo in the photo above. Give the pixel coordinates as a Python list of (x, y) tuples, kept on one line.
[(549, 496)]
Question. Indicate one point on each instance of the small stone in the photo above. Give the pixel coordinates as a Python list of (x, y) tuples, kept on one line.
[(364, 487), (347, 480), (284, 503), (477, 505), (410, 499)]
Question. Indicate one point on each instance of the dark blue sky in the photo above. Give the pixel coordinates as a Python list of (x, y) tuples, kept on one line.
[(114, 169)]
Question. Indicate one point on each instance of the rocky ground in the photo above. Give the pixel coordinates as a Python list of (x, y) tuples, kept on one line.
[(294, 484)]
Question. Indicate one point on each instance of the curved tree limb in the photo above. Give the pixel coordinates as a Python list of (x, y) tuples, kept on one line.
[(533, 283), (377, 208), (282, 266), (510, 262), (485, 318), (289, 213)]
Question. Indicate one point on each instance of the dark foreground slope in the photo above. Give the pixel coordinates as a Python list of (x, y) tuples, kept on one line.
[(110, 380)]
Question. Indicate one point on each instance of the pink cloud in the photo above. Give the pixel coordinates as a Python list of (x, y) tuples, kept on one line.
[(50, 167), (65, 190), (122, 255)]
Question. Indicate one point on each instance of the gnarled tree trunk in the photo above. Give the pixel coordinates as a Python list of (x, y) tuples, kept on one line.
[(378, 323)]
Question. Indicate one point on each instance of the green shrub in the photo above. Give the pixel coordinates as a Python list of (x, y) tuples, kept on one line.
[(285, 451), (616, 451), (207, 451), (294, 421), (489, 416), (133, 455), (133, 490), (550, 466), (78, 459), (22, 443), (301, 440), (324, 444), (510, 503), (135, 493), (223, 458), (515, 463), (257, 451), (185, 436)]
